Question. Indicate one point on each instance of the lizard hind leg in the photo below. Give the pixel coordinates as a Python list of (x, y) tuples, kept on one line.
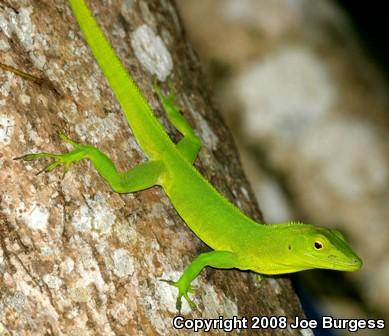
[(142, 176), (190, 144)]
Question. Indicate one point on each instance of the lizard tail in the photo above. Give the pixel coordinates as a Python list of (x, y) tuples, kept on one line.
[(147, 129)]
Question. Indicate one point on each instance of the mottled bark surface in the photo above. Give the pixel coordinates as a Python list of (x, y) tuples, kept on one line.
[(75, 257)]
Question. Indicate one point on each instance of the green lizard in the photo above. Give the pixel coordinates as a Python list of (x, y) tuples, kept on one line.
[(237, 241)]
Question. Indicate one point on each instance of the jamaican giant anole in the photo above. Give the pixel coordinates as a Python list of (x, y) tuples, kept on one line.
[(236, 240)]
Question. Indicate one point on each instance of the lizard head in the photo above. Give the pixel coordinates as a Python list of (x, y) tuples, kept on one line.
[(320, 247)]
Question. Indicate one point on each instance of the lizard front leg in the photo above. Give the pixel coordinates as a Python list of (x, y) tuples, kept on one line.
[(216, 259)]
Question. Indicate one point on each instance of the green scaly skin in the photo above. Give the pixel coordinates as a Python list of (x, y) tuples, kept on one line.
[(237, 241)]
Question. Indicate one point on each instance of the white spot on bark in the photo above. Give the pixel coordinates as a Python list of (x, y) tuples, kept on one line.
[(36, 218), (95, 128), (4, 45), (52, 281), (216, 304), (87, 267), (47, 251), (67, 266), (211, 300), (93, 86), (20, 23), (97, 214), (5, 26), (275, 285), (151, 307), (79, 294), (157, 210), (245, 192), (17, 301), (25, 99), (3, 330), (123, 263), (208, 137), (31, 290), (39, 61), (81, 219), (126, 233), (120, 313), (230, 307), (5, 87), (7, 124), (102, 247), (70, 113), (23, 27), (151, 52)]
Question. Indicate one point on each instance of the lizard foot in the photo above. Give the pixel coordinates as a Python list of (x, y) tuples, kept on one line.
[(170, 97), (183, 289), (65, 159)]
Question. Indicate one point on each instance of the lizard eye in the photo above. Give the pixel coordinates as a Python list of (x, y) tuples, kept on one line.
[(318, 245)]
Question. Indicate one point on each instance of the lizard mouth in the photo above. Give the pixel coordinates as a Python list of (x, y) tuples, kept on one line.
[(332, 262), (352, 265)]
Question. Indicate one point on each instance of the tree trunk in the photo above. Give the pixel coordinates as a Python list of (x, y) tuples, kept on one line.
[(75, 257)]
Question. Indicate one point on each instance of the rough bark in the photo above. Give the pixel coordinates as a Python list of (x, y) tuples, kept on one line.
[(75, 257)]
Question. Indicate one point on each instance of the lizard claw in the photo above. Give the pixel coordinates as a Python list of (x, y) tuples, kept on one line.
[(170, 97), (171, 94), (49, 167), (64, 159), (183, 291), (33, 156), (66, 139)]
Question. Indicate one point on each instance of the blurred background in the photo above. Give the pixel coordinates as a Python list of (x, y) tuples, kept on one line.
[(303, 86)]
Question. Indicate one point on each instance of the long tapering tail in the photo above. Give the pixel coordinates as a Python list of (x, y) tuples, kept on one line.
[(147, 129)]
